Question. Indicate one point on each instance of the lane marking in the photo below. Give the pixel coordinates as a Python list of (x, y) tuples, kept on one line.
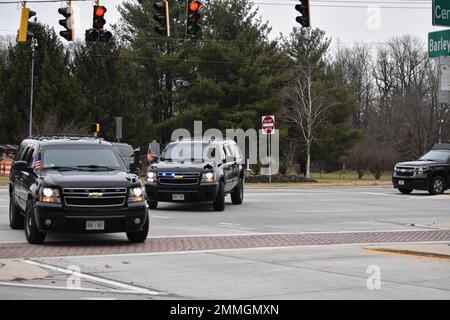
[(39, 286), (160, 217), (95, 278), (229, 224)]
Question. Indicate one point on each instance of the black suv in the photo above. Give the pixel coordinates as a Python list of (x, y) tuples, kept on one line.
[(197, 171), (431, 172), (75, 184)]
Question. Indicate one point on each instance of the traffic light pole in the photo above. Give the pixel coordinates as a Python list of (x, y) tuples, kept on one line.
[(33, 46)]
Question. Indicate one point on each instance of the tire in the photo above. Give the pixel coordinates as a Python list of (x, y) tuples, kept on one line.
[(15, 217), (437, 185), (139, 236), (219, 203), (405, 191), (33, 235), (237, 196), (152, 204)]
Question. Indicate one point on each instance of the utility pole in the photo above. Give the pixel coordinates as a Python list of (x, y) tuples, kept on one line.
[(34, 44), (441, 122)]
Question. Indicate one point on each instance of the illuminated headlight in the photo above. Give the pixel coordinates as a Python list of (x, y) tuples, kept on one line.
[(208, 177), (151, 176), (50, 195), (136, 195)]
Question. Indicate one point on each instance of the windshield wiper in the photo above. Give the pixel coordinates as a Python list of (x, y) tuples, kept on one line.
[(61, 168), (93, 166)]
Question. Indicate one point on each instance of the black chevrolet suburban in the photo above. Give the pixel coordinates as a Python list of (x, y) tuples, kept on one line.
[(197, 171), (430, 172), (75, 184)]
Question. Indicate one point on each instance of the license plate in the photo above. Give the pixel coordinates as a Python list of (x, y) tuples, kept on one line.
[(95, 225), (401, 182), (177, 197)]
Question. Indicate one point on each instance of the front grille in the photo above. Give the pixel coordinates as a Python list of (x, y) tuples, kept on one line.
[(405, 171), (179, 178), (97, 197)]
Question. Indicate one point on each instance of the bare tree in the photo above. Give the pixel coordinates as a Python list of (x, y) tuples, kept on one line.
[(306, 107), (356, 65)]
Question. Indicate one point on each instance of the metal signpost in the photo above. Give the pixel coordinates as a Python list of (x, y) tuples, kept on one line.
[(119, 121), (268, 127)]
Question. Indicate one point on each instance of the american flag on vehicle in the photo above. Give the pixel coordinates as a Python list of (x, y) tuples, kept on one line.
[(38, 161)]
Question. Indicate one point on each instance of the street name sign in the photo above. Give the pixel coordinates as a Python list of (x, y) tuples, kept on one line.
[(441, 13), (439, 44)]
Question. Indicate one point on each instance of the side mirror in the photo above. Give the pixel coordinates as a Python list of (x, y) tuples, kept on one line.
[(136, 162), (134, 168), (22, 166)]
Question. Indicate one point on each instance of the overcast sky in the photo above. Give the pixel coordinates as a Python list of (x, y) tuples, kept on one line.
[(363, 22)]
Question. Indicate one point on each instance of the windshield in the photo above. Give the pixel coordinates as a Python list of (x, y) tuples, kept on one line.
[(436, 155), (82, 157), (191, 151)]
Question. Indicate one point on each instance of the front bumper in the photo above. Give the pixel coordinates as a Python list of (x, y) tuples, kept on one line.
[(416, 183), (192, 193), (64, 220)]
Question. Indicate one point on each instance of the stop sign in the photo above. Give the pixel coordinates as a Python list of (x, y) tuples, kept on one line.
[(268, 124)]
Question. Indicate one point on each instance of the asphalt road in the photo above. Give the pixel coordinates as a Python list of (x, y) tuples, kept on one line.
[(313, 272)]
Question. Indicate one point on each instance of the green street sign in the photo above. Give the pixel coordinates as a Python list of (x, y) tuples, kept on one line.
[(441, 13), (439, 44)]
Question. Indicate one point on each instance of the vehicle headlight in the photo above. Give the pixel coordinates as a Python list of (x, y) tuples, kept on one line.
[(49, 195), (421, 170), (208, 177), (136, 195), (151, 176)]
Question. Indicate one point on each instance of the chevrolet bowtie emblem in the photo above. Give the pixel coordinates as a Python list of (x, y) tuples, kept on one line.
[(95, 195), (403, 170), (178, 177)]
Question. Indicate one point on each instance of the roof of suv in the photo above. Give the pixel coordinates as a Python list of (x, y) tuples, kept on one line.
[(64, 140), (442, 146), (202, 141)]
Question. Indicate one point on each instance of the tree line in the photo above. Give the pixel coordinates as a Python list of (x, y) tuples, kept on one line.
[(363, 106)]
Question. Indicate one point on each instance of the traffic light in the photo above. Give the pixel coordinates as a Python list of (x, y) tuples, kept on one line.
[(303, 8), (68, 23), (95, 128), (193, 17), (99, 17), (97, 33), (162, 18), (24, 34)]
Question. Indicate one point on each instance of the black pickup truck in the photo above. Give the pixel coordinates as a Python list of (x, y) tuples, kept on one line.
[(75, 184), (430, 172)]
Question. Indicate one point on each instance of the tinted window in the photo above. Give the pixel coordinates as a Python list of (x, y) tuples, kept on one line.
[(436, 155), (191, 151), (73, 156)]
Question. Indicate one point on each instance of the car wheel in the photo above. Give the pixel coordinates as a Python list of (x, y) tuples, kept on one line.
[(437, 185), (152, 204), (237, 196), (139, 236), (219, 203), (33, 235), (15, 217), (405, 191)]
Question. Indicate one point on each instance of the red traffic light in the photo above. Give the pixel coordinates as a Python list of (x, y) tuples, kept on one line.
[(194, 6), (100, 11)]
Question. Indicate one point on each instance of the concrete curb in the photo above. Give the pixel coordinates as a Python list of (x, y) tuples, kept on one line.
[(427, 254)]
